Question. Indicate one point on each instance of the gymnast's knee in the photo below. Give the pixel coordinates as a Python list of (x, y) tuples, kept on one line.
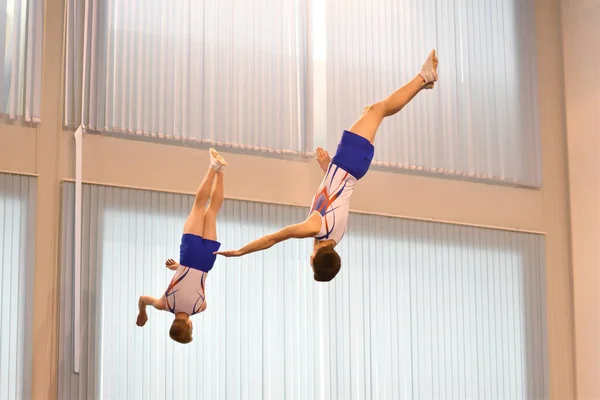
[(212, 210), (199, 203), (377, 109)]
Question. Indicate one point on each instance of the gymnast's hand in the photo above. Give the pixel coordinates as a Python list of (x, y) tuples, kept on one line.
[(142, 318), (323, 159), (230, 253), (171, 264)]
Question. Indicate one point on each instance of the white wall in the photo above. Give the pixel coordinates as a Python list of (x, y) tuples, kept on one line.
[(581, 30)]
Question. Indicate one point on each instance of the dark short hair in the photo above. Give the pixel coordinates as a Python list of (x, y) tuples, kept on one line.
[(326, 264), (180, 331)]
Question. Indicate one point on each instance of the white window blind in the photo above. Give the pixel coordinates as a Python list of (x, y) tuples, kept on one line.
[(21, 32), (480, 121), (230, 72), (420, 310), (17, 261)]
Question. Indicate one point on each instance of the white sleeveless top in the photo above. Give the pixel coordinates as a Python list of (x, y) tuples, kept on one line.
[(332, 202), (186, 291)]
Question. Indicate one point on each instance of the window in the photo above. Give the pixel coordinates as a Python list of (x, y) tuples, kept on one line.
[(21, 30), (17, 259), (419, 309), (286, 76), (228, 73), (480, 121)]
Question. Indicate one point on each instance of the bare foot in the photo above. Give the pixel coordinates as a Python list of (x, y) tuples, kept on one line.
[(142, 318)]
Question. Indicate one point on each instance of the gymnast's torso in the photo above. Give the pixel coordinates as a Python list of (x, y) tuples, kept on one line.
[(332, 202), (186, 291)]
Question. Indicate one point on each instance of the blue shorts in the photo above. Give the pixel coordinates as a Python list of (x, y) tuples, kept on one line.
[(354, 154), (197, 253)]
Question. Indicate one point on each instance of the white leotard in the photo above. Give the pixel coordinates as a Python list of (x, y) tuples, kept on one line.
[(186, 291), (332, 202)]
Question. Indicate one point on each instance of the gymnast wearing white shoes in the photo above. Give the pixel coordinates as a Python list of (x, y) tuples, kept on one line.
[(185, 295), (328, 216)]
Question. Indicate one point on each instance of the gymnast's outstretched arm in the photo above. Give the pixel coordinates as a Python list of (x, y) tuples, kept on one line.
[(309, 228)]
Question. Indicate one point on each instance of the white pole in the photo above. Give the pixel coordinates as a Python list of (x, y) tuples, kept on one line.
[(77, 264), (78, 200)]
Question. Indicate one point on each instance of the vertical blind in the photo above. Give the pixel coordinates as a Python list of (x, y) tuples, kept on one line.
[(21, 32), (17, 260), (230, 72), (236, 73), (419, 310), (480, 121)]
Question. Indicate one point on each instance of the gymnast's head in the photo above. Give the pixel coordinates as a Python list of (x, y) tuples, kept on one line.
[(325, 261), (181, 330)]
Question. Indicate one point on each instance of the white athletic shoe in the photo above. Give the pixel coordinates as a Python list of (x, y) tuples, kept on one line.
[(216, 161), (429, 70)]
